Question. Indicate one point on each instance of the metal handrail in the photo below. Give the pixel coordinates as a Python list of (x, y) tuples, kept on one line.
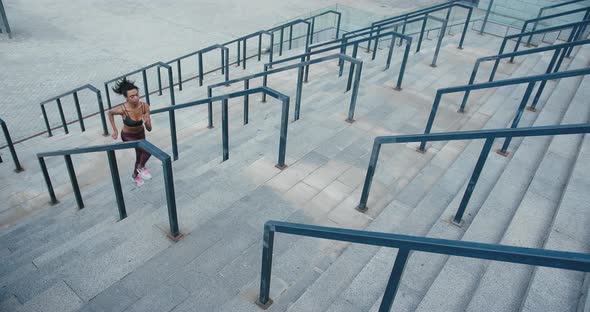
[(143, 70), (224, 63), (541, 10), (554, 65), (406, 244), (344, 44), (241, 42), (426, 11), (18, 167), (312, 18), (576, 28), (224, 111), (355, 63), (5, 21), (488, 135), (78, 110), (281, 28), (110, 149), (552, 16), (530, 81)]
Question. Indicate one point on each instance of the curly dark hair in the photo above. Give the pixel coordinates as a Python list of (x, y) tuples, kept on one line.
[(124, 85)]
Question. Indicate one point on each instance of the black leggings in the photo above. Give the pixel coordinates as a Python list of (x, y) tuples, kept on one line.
[(141, 156)]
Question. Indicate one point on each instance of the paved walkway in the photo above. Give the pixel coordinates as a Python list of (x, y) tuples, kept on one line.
[(59, 45)]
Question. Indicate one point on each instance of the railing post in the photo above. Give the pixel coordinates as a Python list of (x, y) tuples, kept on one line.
[(244, 52), (62, 116), (117, 184), (145, 86), (74, 181), (537, 97), (402, 69), (343, 46), (422, 33), (226, 64), (225, 129), (43, 166), (422, 148), (362, 207), (338, 24), (471, 80), (390, 53), (259, 46), (79, 111), (222, 60), (103, 120), (46, 120), (307, 49), (465, 28), (439, 42), (18, 167), (180, 74), (473, 181), (246, 100), (290, 37), (376, 45), (511, 61), (5, 21), (355, 92), (528, 42), (281, 43), (159, 82), (264, 83), (200, 69), (171, 199), (403, 30), (271, 48), (298, 92), (265, 272), (210, 108), (370, 40), (106, 90), (485, 19), (521, 107), (352, 65), (312, 30), (283, 139), (239, 52), (497, 61), (394, 279)]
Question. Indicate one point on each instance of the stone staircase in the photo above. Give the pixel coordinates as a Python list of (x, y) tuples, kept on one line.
[(63, 259)]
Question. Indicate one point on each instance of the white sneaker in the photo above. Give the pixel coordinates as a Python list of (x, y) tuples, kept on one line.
[(144, 174), (137, 179)]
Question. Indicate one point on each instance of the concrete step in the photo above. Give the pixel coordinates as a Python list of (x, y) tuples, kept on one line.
[(495, 213)]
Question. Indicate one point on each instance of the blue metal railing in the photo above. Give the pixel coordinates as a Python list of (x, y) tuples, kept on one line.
[(4, 21), (542, 10), (423, 12), (356, 67), (18, 167), (530, 81), (74, 92), (143, 72), (281, 29), (241, 45), (406, 244), (224, 65), (535, 21), (488, 135), (313, 18), (224, 99), (342, 46), (110, 150), (554, 65), (576, 29)]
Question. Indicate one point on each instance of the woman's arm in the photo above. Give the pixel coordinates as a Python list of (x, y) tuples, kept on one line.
[(112, 112), (147, 118)]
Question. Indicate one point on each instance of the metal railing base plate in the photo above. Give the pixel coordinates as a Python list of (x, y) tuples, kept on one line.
[(265, 305), (505, 154)]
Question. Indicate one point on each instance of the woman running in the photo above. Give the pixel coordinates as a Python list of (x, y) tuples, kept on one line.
[(136, 118)]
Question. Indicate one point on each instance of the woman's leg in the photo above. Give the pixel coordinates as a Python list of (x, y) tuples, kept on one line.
[(133, 137)]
